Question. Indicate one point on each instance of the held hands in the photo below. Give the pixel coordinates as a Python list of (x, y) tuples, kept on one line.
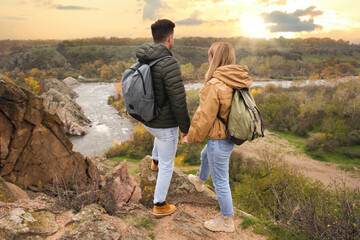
[(184, 138)]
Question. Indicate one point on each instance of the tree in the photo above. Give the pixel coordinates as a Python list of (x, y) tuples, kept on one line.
[(200, 73), (104, 73), (188, 71), (33, 85)]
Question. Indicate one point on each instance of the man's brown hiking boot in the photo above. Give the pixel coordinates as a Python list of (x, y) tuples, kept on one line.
[(154, 166), (164, 210)]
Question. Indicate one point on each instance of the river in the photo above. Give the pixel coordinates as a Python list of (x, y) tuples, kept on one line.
[(106, 124)]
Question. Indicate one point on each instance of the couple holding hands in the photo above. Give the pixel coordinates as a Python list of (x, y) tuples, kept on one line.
[(215, 101)]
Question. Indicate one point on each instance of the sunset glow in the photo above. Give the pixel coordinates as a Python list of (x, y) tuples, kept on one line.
[(65, 19)]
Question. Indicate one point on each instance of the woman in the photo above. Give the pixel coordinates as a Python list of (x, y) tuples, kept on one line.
[(215, 99)]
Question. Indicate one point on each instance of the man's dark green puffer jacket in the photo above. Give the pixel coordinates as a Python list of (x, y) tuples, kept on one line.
[(168, 88)]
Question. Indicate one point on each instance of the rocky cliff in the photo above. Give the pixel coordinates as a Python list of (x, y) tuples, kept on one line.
[(59, 99), (34, 149)]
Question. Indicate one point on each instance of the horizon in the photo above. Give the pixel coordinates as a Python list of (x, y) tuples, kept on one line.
[(264, 19), (150, 38)]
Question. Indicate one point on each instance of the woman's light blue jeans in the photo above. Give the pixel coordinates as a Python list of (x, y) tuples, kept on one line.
[(164, 150), (215, 159)]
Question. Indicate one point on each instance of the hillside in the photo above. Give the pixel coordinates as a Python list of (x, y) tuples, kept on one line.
[(106, 58)]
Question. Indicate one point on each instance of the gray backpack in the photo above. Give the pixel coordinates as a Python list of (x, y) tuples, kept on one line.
[(138, 93), (244, 121)]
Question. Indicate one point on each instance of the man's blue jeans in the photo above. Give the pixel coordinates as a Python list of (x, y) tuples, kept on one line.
[(215, 159), (165, 146)]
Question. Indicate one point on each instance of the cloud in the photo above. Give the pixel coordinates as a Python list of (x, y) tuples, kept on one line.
[(52, 4), (291, 22), (225, 22), (13, 18), (272, 2), (152, 8), (192, 21), (62, 7)]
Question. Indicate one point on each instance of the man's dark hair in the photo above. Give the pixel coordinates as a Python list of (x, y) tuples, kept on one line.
[(161, 29)]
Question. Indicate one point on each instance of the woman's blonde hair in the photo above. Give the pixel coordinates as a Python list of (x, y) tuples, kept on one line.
[(222, 54)]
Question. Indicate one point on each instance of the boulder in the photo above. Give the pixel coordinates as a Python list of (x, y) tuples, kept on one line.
[(88, 224), (6, 194), (19, 223), (71, 82), (83, 79), (120, 188), (59, 86), (180, 190), (6, 130), (35, 150), (69, 112), (187, 226)]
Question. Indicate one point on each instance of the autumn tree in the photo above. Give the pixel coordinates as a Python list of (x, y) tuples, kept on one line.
[(33, 85), (188, 71)]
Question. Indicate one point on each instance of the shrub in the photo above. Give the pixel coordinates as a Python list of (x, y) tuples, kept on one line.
[(192, 153), (79, 194), (193, 101), (140, 145), (276, 192)]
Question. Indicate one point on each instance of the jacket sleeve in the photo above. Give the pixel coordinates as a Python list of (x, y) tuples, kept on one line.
[(175, 91), (205, 115)]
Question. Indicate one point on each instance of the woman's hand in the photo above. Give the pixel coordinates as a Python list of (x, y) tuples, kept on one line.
[(184, 139)]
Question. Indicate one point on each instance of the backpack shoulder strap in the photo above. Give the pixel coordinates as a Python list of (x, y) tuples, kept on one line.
[(152, 63)]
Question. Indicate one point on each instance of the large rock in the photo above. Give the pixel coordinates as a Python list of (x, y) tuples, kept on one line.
[(6, 130), (59, 86), (186, 225), (20, 223), (180, 190), (35, 150), (70, 113), (120, 188), (71, 82), (10, 192), (88, 224)]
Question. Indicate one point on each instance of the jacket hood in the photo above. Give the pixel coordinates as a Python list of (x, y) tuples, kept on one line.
[(235, 76), (149, 52)]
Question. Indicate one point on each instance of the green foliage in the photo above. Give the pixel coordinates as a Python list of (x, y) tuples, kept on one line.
[(141, 221), (273, 58), (193, 101), (330, 114), (192, 153), (269, 229), (272, 191), (140, 145)]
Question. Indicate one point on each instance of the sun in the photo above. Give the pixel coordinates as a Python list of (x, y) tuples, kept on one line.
[(253, 26)]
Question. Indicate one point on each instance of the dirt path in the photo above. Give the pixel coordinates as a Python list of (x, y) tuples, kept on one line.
[(324, 172), (187, 223)]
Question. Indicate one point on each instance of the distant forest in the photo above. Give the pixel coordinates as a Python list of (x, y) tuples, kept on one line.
[(104, 59)]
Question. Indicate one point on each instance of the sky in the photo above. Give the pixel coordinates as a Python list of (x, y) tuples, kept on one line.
[(70, 19)]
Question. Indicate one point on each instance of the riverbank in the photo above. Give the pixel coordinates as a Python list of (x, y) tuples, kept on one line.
[(106, 124)]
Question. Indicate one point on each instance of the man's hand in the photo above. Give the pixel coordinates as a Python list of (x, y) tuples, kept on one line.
[(183, 138)]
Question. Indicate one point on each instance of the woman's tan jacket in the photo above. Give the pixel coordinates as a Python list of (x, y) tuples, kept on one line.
[(215, 97)]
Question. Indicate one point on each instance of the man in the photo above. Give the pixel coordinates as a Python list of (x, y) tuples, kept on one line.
[(170, 96)]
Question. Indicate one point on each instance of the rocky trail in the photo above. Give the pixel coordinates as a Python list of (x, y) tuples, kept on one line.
[(36, 215), (272, 146)]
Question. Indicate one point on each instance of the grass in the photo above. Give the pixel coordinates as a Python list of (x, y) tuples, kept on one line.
[(269, 229), (298, 142), (337, 157), (133, 163), (194, 171), (141, 221)]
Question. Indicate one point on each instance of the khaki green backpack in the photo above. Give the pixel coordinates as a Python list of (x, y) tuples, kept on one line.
[(244, 121)]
